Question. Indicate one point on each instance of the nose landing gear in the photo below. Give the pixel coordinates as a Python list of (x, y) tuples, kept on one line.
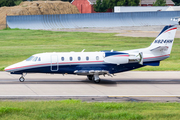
[(22, 79)]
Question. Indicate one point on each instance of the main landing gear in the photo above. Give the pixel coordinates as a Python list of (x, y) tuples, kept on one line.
[(22, 79), (94, 78)]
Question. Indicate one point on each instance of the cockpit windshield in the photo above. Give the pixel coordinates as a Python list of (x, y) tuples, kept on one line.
[(34, 58), (30, 58)]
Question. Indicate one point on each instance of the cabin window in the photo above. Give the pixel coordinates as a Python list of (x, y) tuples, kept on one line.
[(30, 58), (79, 58), (35, 58), (62, 58), (97, 57), (87, 58), (39, 59), (70, 58)]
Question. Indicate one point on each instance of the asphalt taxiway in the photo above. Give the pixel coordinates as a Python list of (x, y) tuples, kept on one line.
[(128, 86)]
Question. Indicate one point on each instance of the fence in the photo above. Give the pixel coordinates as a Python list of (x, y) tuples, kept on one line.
[(92, 20)]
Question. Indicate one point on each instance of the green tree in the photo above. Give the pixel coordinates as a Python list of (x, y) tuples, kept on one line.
[(132, 3), (160, 3), (10, 2), (176, 2), (17, 2), (112, 3), (123, 3), (101, 6), (67, 0), (6, 3)]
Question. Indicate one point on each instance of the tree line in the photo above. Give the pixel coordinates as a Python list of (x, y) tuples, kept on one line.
[(17, 2), (10, 2), (104, 5), (99, 5)]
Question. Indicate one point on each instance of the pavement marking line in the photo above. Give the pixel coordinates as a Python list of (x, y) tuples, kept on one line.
[(145, 96), (30, 89), (89, 95), (53, 96)]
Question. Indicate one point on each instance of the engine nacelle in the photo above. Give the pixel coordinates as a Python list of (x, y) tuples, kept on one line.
[(116, 57), (117, 60), (123, 58)]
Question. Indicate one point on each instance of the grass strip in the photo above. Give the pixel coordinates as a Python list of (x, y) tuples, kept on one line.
[(17, 45), (77, 110)]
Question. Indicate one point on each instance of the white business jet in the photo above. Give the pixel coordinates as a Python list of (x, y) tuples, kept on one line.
[(94, 64)]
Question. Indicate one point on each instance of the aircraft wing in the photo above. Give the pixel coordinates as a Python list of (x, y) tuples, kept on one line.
[(91, 72)]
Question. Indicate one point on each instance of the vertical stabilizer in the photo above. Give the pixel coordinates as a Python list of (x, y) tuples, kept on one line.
[(164, 40)]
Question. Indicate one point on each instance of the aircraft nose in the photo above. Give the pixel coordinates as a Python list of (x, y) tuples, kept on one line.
[(8, 69), (13, 67)]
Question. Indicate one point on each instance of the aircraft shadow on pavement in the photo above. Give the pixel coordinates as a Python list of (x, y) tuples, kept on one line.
[(105, 82)]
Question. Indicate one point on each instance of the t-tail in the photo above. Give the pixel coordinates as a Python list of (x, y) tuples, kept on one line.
[(163, 43)]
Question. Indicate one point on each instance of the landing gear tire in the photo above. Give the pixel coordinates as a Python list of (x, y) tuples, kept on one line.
[(96, 78), (21, 79), (90, 77), (97, 81)]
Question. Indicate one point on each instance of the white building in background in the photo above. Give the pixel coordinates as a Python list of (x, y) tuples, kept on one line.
[(173, 8), (145, 8), (150, 2)]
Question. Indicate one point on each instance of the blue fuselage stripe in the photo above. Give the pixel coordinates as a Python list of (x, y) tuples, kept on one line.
[(112, 68)]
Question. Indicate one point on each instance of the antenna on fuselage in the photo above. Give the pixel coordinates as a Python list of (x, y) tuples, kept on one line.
[(83, 50)]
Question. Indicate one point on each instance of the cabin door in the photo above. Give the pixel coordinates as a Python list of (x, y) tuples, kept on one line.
[(54, 63)]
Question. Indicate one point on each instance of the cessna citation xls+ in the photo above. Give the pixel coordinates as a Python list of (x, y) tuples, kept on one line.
[(93, 64)]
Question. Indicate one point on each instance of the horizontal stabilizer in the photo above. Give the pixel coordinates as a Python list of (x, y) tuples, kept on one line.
[(160, 48)]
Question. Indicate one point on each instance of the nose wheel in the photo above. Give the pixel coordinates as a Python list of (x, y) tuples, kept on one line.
[(22, 79)]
